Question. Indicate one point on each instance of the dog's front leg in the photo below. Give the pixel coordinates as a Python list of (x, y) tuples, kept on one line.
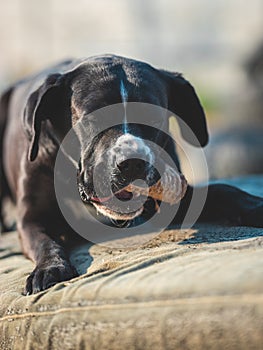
[(224, 203), (52, 262)]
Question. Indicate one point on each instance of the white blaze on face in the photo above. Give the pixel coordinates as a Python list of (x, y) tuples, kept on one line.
[(124, 98)]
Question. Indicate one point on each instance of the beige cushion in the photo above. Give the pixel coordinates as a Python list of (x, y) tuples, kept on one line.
[(187, 289)]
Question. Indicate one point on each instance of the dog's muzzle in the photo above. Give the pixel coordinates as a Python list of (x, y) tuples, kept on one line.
[(129, 160)]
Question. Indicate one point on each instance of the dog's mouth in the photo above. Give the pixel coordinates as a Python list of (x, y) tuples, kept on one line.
[(116, 215), (107, 207), (122, 195), (126, 203)]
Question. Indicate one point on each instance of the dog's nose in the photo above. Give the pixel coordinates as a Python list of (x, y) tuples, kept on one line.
[(132, 169)]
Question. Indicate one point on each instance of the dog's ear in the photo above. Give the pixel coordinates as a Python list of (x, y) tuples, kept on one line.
[(183, 101), (47, 102)]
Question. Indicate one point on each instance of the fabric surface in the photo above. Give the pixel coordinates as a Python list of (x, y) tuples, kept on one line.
[(200, 288)]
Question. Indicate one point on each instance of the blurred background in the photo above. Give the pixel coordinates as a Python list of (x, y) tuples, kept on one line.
[(216, 44)]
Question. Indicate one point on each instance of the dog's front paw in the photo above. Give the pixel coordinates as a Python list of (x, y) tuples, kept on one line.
[(47, 274)]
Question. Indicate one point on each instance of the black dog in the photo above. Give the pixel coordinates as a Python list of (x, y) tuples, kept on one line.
[(38, 112)]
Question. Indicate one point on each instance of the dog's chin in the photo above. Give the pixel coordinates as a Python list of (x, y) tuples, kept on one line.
[(112, 214)]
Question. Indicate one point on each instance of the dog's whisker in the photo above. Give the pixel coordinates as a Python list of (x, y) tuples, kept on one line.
[(75, 164)]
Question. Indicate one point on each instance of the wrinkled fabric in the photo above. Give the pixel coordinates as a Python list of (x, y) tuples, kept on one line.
[(185, 289)]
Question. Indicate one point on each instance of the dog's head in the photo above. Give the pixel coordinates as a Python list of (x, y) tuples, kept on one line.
[(119, 152)]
